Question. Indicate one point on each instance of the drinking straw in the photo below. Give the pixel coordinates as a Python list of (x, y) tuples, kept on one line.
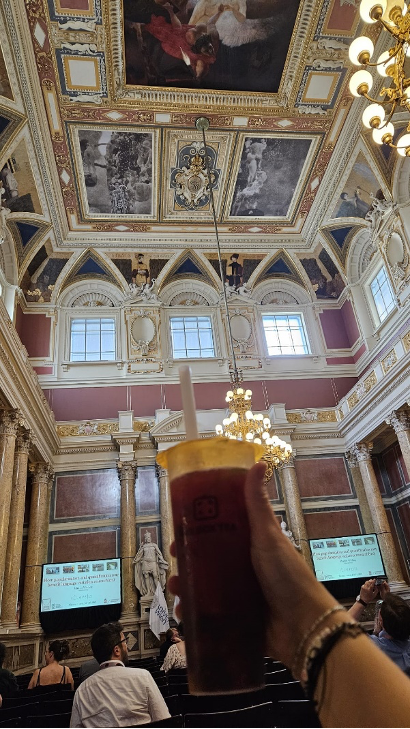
[(188, 402)]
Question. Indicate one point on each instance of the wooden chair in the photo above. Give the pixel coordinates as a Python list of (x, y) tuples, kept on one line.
[(296, 713), (252, 716), (281, 676), (174, 704), (57, 706), (283, 691), (172, 721), (49, 721), (223, 702)]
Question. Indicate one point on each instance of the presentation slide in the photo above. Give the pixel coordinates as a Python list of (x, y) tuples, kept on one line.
[(343, 558), (80, 584)]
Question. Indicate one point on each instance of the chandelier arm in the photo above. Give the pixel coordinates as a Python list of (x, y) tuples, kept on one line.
[(218, 246)]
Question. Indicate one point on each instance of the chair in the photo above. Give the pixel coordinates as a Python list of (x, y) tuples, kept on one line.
[(174, 704), (174, 677), (17, 722), (251, 716), (57, 706), (49, 721), (283, 691), (20, 699), (281, 676), (13, 712), (172, 721), (161, 681), (296, 713), (222, 702), (178, 687)]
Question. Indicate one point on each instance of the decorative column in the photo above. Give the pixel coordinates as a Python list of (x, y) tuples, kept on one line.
[(15, 533), (42, 480), (379, 516), (360, 491), (167, 526), (9, 420), (127, 471), (400, 421), (294, 511)]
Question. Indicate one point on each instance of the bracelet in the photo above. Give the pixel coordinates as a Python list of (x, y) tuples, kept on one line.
[(320, 619), (320, 649)]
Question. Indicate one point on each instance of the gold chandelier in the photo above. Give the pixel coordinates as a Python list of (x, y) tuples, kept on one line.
[(395, 18), (242, 423)]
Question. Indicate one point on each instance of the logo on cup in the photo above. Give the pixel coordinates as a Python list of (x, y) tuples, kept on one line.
[(205, 507)]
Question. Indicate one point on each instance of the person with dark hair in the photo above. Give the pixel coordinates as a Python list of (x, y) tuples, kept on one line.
[(8, 681), (170, 636), (391, 631), (87, 669), (116, 695), (52, 672)]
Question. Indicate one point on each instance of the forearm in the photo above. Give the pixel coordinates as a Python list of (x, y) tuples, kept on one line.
[(356, 610), (354, 669)]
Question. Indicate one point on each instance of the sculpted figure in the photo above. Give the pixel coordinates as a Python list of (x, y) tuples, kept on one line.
[(150, 567), (287, 532)]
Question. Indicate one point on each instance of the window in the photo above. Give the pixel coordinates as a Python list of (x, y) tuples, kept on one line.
[(92, 340), (285, 334), (192, 337), (382, 294)]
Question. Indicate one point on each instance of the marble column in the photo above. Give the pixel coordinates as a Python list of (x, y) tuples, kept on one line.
[(42, 480), (379, 516), (360, 492), (294, 511), (400, 421), (167, 526), (15, 533), (127, 471), (9, 421)]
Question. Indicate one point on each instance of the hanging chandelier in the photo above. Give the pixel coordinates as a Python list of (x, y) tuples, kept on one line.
[(394, 17), (242, 423)]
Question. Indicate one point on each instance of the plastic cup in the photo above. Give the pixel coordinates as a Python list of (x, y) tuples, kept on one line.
[(222, 603)]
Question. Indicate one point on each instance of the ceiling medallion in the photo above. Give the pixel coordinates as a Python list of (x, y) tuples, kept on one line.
[(190, 179)]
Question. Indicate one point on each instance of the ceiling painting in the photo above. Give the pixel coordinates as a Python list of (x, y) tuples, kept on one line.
[(5, 86), (26, 234), (237, 268), (115, 172), (271, 171), (41, 275), (361, 186), (203, 43), (339, 238), (325, 277), (20, 191), (339, 18)]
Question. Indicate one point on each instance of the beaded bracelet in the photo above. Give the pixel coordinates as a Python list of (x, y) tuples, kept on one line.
[(319, 621), (320, 649)]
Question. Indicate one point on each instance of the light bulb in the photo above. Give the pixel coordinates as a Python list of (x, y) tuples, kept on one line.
[(239, 391), (234, 417), (275, 440), (384, 63), (384, 134), (226, 421), (249, 436), (259, 416), (248, 393), (268, 441), (393, 12), (361, 50), (373, 116), (258, 440), (249, 415), (360, 83), (372, 10), (265, 435), (219, 429), (266, 422), (288, 448), (403, 146), (229, 394)]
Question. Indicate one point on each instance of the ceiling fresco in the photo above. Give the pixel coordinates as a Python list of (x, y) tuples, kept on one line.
[(118, 172)]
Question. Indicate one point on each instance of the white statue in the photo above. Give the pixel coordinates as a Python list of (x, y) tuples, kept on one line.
[(4, 212), (150, 567), (287, 532)]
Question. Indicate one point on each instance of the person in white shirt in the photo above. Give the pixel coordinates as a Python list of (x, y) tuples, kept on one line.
[(116, 695)]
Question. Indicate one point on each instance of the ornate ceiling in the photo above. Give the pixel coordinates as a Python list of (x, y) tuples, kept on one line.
[(99, 150)]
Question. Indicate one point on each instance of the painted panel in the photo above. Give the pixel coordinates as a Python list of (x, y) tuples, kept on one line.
[(34, 332), (309, 393), (94, 493), (350, 322), (84, 546), (147, 490), (334, 329), (338, 523), (378, 472), (324, 275), (18, 181), (88, 403), (5, 88), (236, 47), (356, 197), (322, 476), (403, 512)]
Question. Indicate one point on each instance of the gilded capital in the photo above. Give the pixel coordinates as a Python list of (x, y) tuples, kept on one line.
[(9, 422), (23, 442), (351, 459), (289, 463), (42, 474), (127, 470), (399, 420), (161, 472), (362, 451)]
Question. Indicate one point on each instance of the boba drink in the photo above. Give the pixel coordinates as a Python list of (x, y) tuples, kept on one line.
[(223, 607)]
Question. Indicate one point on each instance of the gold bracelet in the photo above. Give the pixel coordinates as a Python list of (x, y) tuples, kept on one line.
[(320, 619)]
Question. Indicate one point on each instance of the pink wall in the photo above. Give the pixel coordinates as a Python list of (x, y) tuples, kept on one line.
[(340, 327), (322, 476), (350, 323), (34, 332), (87, 403)]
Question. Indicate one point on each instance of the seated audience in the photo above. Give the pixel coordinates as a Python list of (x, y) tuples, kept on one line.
[(176, 656), (352, 683), (87, 669), (8, 681), (116, 695), (168, 642), (52, 672)]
